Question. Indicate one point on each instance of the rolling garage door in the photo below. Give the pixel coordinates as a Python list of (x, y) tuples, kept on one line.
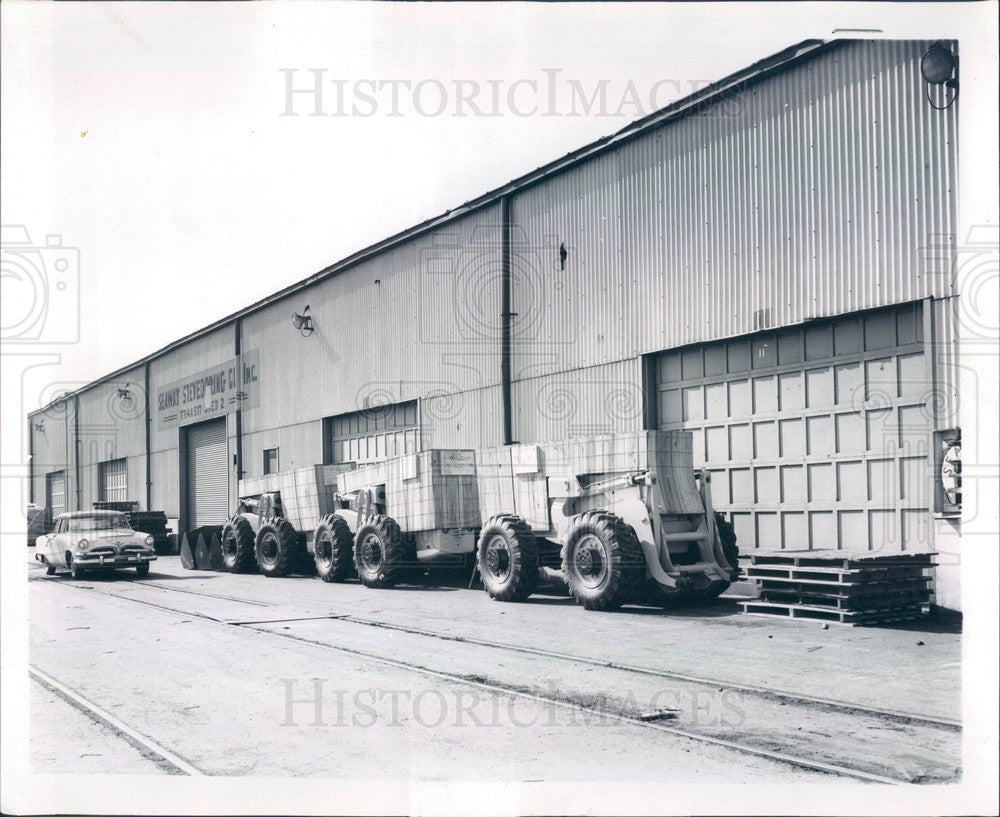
[(816, 436), (55, 493), (113, 477), (207, 474)]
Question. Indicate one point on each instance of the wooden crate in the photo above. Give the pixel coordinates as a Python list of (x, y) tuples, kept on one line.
[(306, 493), (430, 490), (516, 478)]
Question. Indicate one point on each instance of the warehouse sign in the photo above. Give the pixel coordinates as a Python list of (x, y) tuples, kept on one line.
[(211, 393)]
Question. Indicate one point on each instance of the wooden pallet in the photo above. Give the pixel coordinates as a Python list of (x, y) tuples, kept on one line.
[(851, 618), (837, 589), (873, 604), (841, 560), (836, 575)]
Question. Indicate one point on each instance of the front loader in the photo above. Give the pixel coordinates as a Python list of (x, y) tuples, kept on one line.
[(619, 518), (273, 530), (374, 521)]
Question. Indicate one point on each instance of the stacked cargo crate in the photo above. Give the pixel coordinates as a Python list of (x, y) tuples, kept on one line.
[(845, 588), (432, 490)]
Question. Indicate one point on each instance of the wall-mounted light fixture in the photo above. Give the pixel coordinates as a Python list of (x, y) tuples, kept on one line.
[(939, 67), (40, 427), (125, 396), (303, 322)]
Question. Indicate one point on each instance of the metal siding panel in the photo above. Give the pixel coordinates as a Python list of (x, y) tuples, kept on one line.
[(298, 446), (813, 193), (429, 326), (947, 369), (111, 426), (165, 475), (598, 400), (471, 419)]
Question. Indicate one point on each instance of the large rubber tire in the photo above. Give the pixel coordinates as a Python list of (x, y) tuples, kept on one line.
[(239, 545), (277, 547), (75, 571), (507, 554), (142, 570), (50, 569), (333, 545), (602, 561), (728, 536), (379, 552), (732, 553)]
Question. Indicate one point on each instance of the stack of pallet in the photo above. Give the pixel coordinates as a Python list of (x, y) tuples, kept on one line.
[(856, 589)]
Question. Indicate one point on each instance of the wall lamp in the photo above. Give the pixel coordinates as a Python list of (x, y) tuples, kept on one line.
[(40, 427), (939, 66), (303, 322)]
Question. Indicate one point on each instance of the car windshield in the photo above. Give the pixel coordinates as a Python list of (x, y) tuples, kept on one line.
[(102, 522)]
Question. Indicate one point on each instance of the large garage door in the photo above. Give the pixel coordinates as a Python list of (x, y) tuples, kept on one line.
[(816, 436), (374, 435), (207, 474), (55, 493)]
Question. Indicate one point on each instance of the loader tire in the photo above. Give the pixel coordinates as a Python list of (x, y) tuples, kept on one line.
[(238, 545), (278, 548), (333, 544), (507, 554), (728, 537), (379, 551), (602, 561)]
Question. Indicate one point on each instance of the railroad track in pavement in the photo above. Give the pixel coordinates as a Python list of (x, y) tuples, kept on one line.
[(858, 766)]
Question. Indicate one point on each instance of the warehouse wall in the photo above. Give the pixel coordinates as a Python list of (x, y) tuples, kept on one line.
[(52, 447), (298, 445), (814, 193), (190, 359), (593, 400), (112, 427), (817, 192), (470, 419), (419, 320)]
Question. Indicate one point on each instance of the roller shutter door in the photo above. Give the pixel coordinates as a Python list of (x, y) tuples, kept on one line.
[(114, 481), (55, 493), (816, 436), (374, 435), (207, 474)]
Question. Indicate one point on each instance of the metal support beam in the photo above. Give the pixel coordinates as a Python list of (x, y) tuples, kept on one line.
[(238, 333), (506, 318), (76, 452), (149, 453)]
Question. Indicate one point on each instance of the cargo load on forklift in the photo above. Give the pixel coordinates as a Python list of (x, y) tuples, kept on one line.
[(624, 517), (374, 521), (618, 518)]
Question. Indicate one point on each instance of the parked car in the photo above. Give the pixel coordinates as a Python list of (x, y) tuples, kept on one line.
[(83, 541)]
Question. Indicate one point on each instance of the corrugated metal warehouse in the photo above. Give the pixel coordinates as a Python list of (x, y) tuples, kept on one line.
[(755, 263)]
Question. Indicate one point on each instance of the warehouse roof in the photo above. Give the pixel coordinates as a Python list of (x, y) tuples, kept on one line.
[(683, 107)]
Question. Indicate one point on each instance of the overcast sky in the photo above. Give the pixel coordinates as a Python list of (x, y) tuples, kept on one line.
[(151, 137)]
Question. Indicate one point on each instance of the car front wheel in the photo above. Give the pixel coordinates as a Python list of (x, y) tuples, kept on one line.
[(75, 571), (142, 570)]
